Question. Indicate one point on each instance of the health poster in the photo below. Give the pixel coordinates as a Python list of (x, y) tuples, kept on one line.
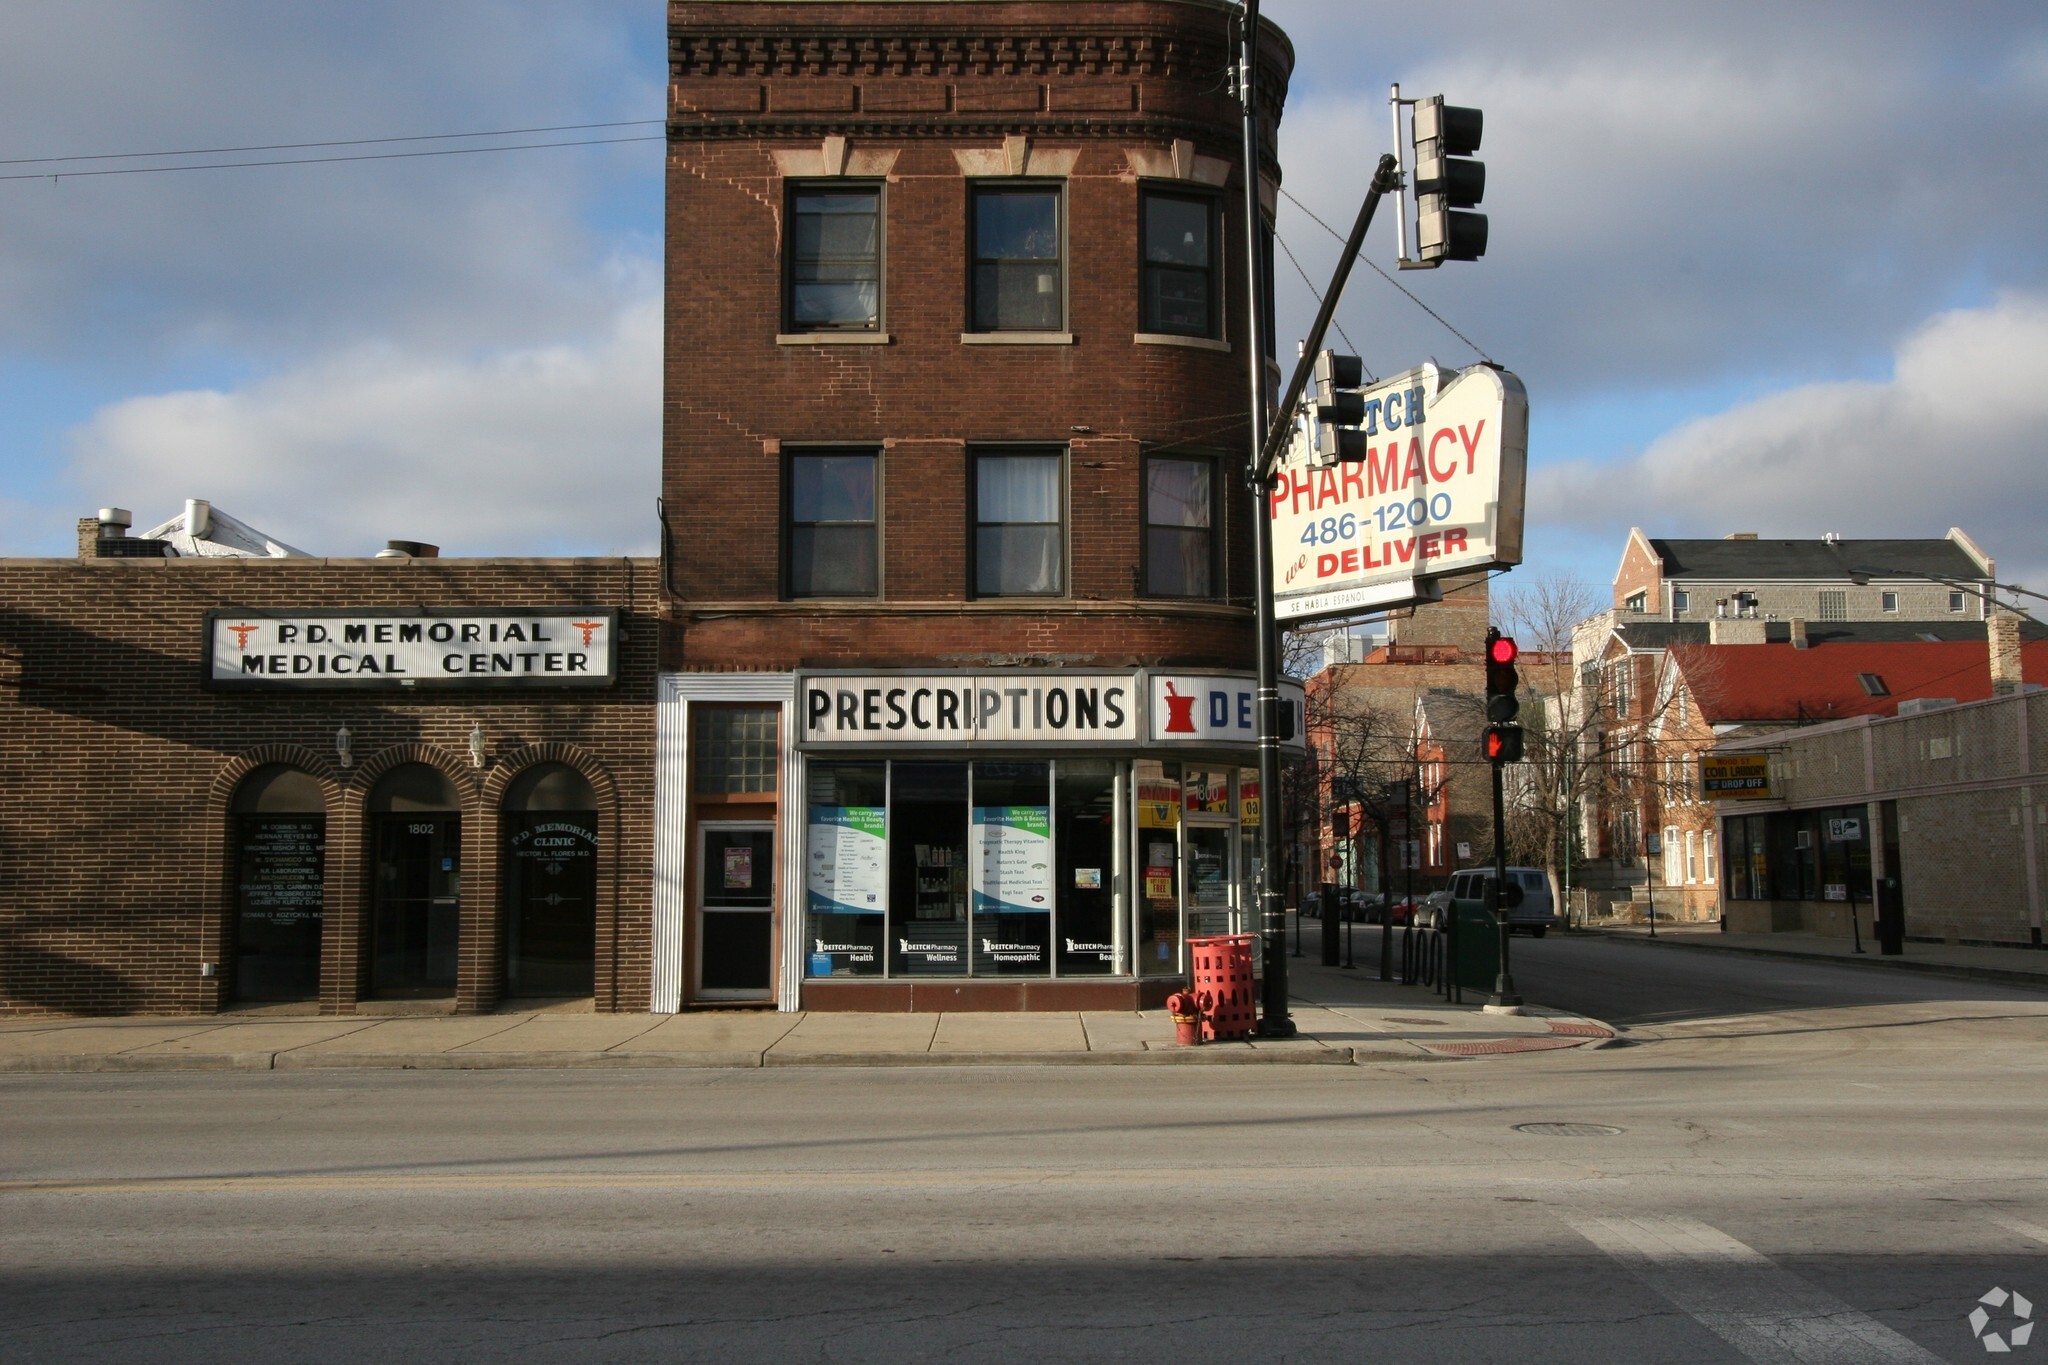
[(846, 869), (1011, 857)]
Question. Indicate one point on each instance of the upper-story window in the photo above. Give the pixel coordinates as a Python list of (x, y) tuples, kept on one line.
[(1955, 601), (1638, 601), (1180, 526), (1681, 600), (834, 271), (1017, 245), (1834, 604), (1178, 246), (1019, 522), (830, 539), (1888, 601)]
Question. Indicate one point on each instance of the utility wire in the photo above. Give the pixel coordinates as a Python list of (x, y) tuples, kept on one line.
[(346, 142), (1349, 344), (319, 160), (1476, 348)]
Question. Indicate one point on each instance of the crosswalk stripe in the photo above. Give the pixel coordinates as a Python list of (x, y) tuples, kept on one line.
[(1764, 1311), (2019, 1225)]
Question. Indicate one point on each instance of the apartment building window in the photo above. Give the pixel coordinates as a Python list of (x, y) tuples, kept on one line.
[(1707, 857), (1955, 601), (1179, 292), (1834, 605), (1888, 601), (1017, 246), (1639, 601), (1692, 859), (830, 542), (833, 277), (1019, 522), (1180, 527)]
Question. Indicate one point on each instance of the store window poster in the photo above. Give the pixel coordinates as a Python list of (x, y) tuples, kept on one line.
[(1011, 856), (846, 865)]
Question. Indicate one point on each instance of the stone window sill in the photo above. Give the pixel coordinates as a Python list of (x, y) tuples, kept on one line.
[(1016, 338), (832, 339), (1168, 339)]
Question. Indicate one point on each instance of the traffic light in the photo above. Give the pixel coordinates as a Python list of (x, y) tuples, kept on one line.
[(1339, 408), (1448, 182), (1340, 823), (1503, 743), (1503, 738), (1501, 677)]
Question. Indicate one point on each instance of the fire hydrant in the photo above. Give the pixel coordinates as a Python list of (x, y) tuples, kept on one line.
[(1186, 1009)]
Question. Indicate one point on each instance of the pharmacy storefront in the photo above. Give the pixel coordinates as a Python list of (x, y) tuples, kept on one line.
[(1001, 840)]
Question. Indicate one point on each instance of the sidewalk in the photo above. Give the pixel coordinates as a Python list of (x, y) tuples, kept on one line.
[(2014, 966), (1343, 1018)]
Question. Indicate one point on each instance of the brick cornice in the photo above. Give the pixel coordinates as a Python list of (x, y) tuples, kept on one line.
[(939, 51)]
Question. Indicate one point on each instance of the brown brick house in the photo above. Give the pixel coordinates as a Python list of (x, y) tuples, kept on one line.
[(955, 415), (203, 808)]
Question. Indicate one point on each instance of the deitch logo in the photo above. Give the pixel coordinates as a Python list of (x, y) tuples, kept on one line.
[(2018, 1334)]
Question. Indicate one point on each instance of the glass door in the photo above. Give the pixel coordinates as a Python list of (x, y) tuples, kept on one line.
[(735, 911), (1211, 880), (415, 917)]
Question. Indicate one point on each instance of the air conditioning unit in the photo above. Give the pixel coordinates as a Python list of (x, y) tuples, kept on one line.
[(1920, 706)]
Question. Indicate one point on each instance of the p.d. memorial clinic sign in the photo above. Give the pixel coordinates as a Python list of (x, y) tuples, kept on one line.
[(389, 649)]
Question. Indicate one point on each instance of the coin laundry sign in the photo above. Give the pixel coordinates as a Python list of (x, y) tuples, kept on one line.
[(548, 648), (1439, 491)]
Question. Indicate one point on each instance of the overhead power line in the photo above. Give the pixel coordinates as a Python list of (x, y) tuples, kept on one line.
[(1476, 348), (54, 162)]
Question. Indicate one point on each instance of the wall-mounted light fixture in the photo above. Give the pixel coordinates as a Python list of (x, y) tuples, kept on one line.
[(344, 746), (476, 746)]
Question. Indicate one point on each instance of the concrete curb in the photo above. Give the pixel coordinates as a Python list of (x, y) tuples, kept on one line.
[(2038, 980), (128, 1063)]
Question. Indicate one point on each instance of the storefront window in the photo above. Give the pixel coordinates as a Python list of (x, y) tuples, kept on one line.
[(846, 868), (550, 883), (1159, 925), (1085, 840), (928, 869), (280, 871), (1010, 869)]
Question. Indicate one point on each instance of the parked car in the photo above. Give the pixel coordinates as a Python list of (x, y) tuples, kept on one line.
[(1434, 910), (1536, 913)]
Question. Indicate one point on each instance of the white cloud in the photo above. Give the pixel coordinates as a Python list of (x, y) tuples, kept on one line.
[(541, 450), (1952, 438)]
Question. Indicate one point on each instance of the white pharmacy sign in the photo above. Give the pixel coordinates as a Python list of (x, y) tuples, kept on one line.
[(576, 647), (1440, 491)]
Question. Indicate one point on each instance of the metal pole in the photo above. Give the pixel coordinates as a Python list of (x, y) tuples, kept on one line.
[(1408, 879), (1274, 1021), (1504, 984)]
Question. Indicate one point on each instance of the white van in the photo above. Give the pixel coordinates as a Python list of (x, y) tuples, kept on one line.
[(1536, 913)]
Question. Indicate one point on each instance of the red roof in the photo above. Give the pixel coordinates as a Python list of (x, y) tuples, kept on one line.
[(1775, 682)]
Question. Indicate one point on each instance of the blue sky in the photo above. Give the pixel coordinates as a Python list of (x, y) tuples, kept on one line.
[(1762, 267)]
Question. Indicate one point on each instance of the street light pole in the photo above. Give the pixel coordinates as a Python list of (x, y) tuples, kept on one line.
[(1274, 1019)]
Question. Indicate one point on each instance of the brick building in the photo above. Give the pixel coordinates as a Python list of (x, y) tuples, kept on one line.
[(940, 694), (954, 703), (419, 782)]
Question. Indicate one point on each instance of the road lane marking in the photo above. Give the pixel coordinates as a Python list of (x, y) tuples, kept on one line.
[(1761, 1309), (2019, 1225)]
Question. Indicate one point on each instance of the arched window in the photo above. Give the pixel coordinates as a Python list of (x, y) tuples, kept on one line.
[(280, 840), (550, 832), (416, 883)]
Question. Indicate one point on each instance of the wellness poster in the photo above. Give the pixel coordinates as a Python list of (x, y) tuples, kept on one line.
[(1011, 856), (848, 869)]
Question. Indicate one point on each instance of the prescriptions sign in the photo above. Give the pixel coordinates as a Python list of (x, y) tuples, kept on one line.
[(1440, 491)]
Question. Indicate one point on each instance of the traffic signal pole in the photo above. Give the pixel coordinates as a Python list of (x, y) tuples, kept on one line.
[(1504, 997)]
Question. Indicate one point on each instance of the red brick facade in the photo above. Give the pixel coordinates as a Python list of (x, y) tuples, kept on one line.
[(119, 767)]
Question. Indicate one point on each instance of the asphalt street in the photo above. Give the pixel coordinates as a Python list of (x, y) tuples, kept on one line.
[(1786, 1163)]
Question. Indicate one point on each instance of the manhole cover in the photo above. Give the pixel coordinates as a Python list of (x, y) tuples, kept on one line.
[(1567, 1129), (1426, 1023)]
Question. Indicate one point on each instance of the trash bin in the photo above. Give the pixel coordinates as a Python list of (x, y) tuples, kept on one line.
[(1478, 946), (1221, 967)]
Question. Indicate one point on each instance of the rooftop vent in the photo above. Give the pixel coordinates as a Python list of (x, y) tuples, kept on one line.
[(1920, 706), (409, 549)]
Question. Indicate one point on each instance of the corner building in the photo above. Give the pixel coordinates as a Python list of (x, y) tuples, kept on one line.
[(955, 705)]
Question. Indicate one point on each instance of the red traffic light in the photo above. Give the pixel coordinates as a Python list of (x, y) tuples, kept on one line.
[(1503, 743), (1501, 650)]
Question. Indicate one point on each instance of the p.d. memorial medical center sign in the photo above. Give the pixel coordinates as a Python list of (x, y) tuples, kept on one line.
[(384, 649)]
